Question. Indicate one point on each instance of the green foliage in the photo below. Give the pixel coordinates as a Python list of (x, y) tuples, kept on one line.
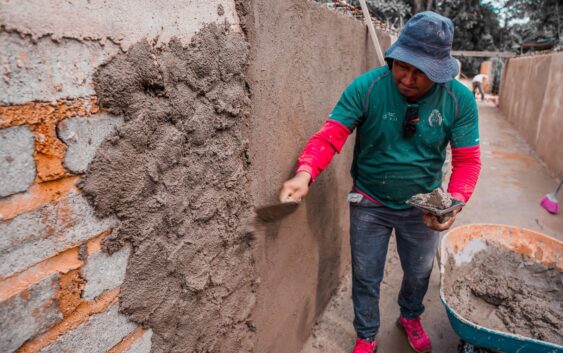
[(395, 13), (545, 20), (499, 25), (477, 27)]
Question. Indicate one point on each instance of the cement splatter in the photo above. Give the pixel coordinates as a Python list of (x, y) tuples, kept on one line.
[(505, 291), (175, 176), (438, 199)]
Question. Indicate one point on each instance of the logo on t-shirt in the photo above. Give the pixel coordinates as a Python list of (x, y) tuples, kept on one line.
[(435, 118), (390, 116)]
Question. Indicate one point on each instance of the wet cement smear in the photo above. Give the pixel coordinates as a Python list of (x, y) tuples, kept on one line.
[(508, 292), (437, 198), (175, 176)]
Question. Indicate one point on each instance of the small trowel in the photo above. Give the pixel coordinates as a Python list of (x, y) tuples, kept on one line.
[(275, 212), (442, 214)]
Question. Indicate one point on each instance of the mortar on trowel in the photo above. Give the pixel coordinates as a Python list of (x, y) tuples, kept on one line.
[(437, 202)]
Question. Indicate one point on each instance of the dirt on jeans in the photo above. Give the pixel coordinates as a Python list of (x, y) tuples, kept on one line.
[(175, 177), (509, 292)]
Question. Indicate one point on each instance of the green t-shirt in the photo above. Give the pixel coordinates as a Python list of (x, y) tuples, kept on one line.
[(387, 166)]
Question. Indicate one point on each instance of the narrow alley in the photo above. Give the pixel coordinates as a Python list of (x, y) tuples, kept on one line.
[(176, 176)]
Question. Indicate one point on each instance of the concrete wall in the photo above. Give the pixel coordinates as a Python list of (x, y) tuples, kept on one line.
[(303, 57), (58, 290), (531, 96)]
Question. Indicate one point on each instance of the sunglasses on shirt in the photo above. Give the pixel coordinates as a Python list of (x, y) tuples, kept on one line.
[(410, 121)]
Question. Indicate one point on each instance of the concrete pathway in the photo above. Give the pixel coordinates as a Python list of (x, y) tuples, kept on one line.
[(512, 183)]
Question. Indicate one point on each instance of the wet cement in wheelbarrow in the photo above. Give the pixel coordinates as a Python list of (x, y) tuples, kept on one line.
[(508, 292)]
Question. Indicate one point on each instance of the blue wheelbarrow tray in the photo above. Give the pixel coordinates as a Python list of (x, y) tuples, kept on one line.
[(463, 243)]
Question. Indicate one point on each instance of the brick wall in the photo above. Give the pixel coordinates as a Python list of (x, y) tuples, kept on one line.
[(58, 291)]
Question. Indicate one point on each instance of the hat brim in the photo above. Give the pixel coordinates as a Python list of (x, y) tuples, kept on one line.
[(437, 70)]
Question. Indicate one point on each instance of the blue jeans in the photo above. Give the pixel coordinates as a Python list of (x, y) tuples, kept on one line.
[(370, 229)]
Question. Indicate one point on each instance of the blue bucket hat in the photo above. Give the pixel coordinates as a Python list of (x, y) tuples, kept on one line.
[(425, 42)]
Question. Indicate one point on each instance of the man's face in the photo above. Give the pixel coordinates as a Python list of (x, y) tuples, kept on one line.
[(411, 82)]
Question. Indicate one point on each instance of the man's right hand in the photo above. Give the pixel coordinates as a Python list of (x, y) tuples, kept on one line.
[(295, 188)]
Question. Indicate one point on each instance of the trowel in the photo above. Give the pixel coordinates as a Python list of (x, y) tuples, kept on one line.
[(442, 214), (275, 212)]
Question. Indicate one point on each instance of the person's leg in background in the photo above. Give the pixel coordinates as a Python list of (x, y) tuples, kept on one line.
[(475, 87), (480, 86)]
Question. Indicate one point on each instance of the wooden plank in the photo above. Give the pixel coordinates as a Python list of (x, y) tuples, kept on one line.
[(373, 35)]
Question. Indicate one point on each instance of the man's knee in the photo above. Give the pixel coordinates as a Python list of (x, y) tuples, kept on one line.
[(422, 267)]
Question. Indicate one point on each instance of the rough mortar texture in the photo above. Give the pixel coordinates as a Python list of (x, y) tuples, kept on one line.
[(142, 345), (502, 290), (17, 166), (45, 70), (104, 271), (28, 314), (175, 176), (35, 236), (97, 335), (83, 135), (123, 22)]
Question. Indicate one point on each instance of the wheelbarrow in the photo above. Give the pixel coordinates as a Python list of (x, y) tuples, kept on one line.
[(463, 243)]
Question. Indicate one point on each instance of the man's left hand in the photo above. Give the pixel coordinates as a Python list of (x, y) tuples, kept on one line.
[(431, 221)]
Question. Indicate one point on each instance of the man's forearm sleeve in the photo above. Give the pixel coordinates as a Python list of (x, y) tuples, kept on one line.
[(466, 166), (320, 149)]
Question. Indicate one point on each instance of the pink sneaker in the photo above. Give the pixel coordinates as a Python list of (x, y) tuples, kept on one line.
[(364, 346), (417, 337)]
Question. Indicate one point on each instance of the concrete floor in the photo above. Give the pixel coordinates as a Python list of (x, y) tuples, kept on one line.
[(511, 184)]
